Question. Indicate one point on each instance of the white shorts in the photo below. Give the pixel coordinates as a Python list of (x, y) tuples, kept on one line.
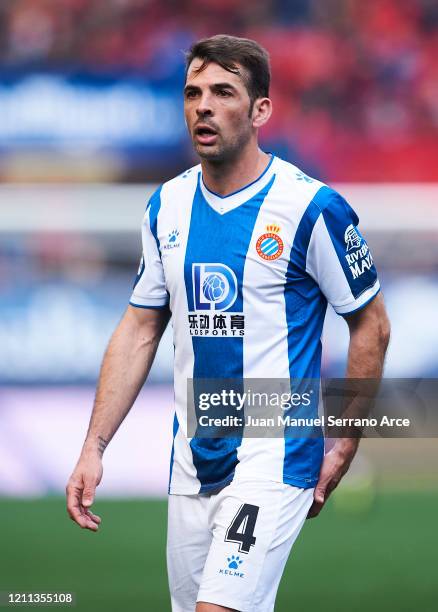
[(230, 548)]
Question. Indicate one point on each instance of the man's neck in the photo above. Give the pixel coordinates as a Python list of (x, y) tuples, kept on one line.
[(227, 178)]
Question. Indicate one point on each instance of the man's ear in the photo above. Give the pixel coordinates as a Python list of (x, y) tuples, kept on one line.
[(261, 112)]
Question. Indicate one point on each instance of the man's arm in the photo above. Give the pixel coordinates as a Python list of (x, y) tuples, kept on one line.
[(125, 366), (369, 336)]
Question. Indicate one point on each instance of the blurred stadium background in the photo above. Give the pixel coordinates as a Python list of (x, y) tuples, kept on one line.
[(90, 119)]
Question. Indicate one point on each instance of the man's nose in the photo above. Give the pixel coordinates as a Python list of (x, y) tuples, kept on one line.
[(205, 106)]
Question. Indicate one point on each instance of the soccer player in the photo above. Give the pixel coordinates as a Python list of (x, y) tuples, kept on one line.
[(244, 251)]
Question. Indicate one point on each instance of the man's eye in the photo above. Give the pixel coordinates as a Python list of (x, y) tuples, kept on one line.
[(224, 93), (190, 94)]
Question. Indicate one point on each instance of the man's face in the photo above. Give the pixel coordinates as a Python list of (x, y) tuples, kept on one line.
[(216, 108)]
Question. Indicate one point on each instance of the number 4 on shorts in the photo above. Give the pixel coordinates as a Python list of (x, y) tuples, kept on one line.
[(241, 530)]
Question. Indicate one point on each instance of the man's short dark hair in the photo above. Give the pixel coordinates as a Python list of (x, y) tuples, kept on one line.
[(228, 51)]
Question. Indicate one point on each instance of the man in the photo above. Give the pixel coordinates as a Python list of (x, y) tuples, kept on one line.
[(245, 251)]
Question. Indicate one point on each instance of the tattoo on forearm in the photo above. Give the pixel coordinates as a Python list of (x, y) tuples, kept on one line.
[(101, 445)]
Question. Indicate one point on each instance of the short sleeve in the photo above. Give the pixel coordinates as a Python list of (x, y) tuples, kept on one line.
[(150, 285), (338, 257)]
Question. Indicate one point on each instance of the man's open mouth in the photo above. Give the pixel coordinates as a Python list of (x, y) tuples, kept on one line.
[(205, 134), (201, 130)]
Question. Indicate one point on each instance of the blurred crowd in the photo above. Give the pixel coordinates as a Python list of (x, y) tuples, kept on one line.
[(355, 92), (355, 83)]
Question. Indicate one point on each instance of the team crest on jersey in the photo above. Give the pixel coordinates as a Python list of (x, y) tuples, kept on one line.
[(269, 245)]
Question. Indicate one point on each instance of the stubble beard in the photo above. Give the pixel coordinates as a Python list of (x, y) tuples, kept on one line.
[(224, 152)]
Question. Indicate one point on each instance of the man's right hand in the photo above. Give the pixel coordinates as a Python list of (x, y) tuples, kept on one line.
[(81, 488)]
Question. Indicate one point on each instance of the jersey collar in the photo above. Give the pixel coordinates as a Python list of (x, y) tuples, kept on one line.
[(223, 204)]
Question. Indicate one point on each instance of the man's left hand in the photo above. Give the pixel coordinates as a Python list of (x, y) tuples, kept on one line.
[(335, 465)]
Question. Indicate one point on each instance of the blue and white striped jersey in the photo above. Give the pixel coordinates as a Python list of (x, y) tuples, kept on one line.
[(247, 278)]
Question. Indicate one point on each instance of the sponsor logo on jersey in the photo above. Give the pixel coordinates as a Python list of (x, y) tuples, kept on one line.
[(358, 256), (214, 292), (223, 324), (352, 238), (214, 286), (233, 564), (172, 241), (270, 246)]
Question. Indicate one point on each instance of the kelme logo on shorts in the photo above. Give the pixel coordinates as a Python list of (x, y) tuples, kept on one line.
[(233, 566)]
